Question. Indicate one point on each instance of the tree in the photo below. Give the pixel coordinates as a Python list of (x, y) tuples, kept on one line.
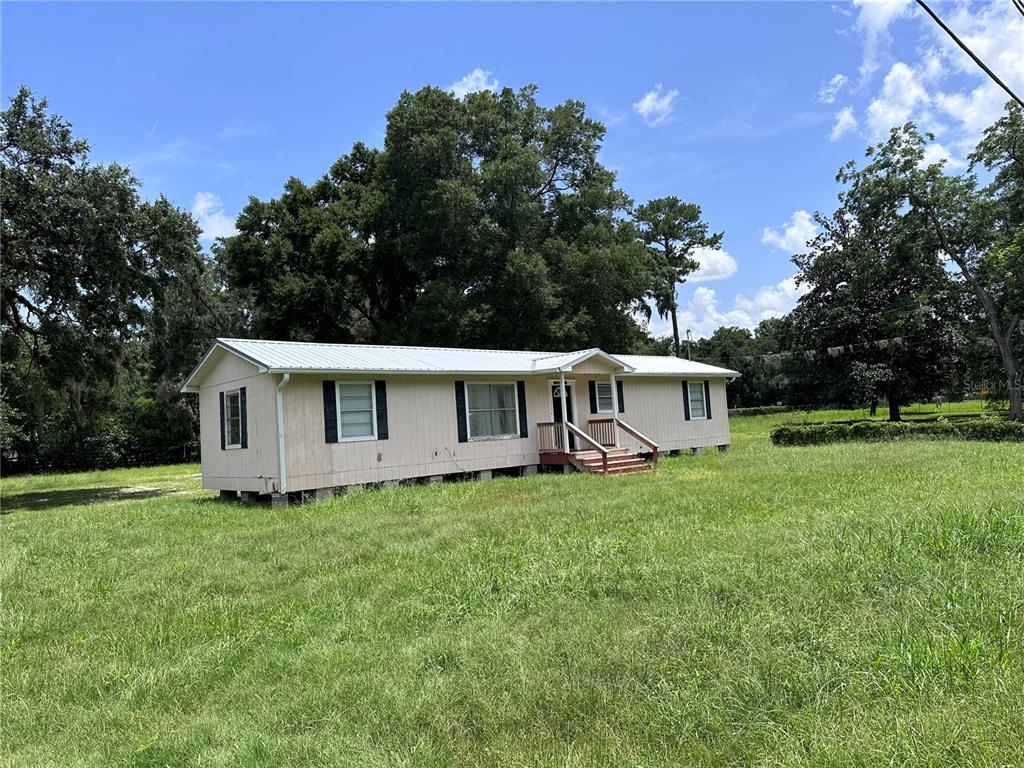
[(87, 268), (673, 231), (978, 230), (484, 221), (874, 274), (994, 274)]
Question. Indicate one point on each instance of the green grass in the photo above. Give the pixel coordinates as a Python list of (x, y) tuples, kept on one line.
[(856, 604)]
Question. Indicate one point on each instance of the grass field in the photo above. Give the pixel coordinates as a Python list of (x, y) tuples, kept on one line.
[(856, 604)]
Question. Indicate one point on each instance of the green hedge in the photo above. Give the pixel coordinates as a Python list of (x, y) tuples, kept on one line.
[(876, 431), (761, 410)]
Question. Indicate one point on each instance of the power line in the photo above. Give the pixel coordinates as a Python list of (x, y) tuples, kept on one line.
[(970, 53), (1019, 5)]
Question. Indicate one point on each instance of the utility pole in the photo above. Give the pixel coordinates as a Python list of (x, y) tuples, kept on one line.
[(689, 353)]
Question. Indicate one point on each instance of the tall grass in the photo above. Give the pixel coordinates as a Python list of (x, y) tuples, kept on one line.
[(846, 605)]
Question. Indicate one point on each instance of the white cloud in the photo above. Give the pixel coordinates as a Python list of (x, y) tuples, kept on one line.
[(874, 18), (208, 211), (655, 106), (942, 89), (477, 80), (702, 313), (715, 264), (845, 122), (830, 91), (903, 98), (794, 236)]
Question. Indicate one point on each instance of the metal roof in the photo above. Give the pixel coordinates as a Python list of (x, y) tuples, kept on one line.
[(310, 357)]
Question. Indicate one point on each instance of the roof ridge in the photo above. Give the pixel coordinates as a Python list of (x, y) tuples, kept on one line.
[(393, 346)]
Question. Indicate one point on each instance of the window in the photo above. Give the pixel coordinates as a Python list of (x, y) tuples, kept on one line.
[(492, 410), (233, 419), (697, 407), (604, 397), (356, 409)]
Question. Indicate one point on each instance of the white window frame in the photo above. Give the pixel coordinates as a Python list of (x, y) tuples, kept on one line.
[(703, 399), (597, 397), (229, 446), (373, 411), (515, 399)]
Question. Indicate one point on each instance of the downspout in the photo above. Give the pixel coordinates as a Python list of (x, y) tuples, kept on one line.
[(282, 484)]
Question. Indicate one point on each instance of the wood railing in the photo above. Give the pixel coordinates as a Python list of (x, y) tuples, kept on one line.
[(640, 438), (597, 446), (602, 430), (550, 437)]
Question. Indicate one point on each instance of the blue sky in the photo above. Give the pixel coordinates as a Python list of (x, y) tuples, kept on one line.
[(745, 108)]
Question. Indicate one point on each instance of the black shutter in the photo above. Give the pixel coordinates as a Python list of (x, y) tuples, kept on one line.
[(381, 395), (460, 410), (521, 395), (622, 401), (686, 400), (330, 413), (243, 418), (593, 396), (223, 442), (707, 398)]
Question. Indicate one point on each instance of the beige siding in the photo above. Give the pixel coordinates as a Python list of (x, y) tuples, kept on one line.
[(422, 440), (240, 469), (654, 406), (423, 430)]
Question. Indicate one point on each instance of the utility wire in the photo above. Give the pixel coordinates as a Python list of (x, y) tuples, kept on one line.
[(1019, 5), (971, 53)]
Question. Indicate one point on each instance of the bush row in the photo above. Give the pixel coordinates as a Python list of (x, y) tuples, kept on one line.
[(875, 431), (761, 410)]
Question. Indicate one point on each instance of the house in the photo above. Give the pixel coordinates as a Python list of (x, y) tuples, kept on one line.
[(282, 417)]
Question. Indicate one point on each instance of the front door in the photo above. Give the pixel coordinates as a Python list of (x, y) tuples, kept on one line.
[(556, 408)]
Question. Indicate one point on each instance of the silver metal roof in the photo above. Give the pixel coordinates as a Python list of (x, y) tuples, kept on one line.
[(309, 357)]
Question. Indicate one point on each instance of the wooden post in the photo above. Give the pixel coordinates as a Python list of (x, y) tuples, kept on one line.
[(565, 413), (615, 410)]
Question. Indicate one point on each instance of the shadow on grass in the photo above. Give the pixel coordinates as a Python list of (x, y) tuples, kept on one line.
[(35, 500)]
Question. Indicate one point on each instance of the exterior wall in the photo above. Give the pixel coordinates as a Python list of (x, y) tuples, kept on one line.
[(422, 434), (239, 469), (654, 405), (422, 427)]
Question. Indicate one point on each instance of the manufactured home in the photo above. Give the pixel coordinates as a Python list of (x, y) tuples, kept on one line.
[(280, 418)]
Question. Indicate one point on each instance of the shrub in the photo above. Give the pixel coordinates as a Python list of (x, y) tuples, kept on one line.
[(877, 431), (761, 410)]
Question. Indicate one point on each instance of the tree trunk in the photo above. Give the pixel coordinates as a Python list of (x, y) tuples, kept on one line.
[(1003, 338), (874, 406), (1013, 382), (894, 408)]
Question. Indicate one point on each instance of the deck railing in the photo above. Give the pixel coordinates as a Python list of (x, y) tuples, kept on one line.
[(550, 437), (587, 438), (602, 430), (640, 438)]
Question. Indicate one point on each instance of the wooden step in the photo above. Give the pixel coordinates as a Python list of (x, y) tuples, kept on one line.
[(620, 463)]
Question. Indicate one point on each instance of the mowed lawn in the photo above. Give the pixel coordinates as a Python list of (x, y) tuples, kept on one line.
[(857, 604)]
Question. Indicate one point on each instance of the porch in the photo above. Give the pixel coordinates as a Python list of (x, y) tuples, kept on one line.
[(596, 449)]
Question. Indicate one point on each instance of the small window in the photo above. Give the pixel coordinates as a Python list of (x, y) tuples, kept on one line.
[(492, 410), (356, 409), (698, 410), (233, 419), (604, 397)]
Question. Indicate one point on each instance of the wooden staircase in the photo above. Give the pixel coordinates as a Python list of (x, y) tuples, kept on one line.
[(621, 461)]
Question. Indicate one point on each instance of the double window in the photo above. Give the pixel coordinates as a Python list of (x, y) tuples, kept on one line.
[(492, 410), (356, 410), (233, 419), (698, 406), (604, 397)]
